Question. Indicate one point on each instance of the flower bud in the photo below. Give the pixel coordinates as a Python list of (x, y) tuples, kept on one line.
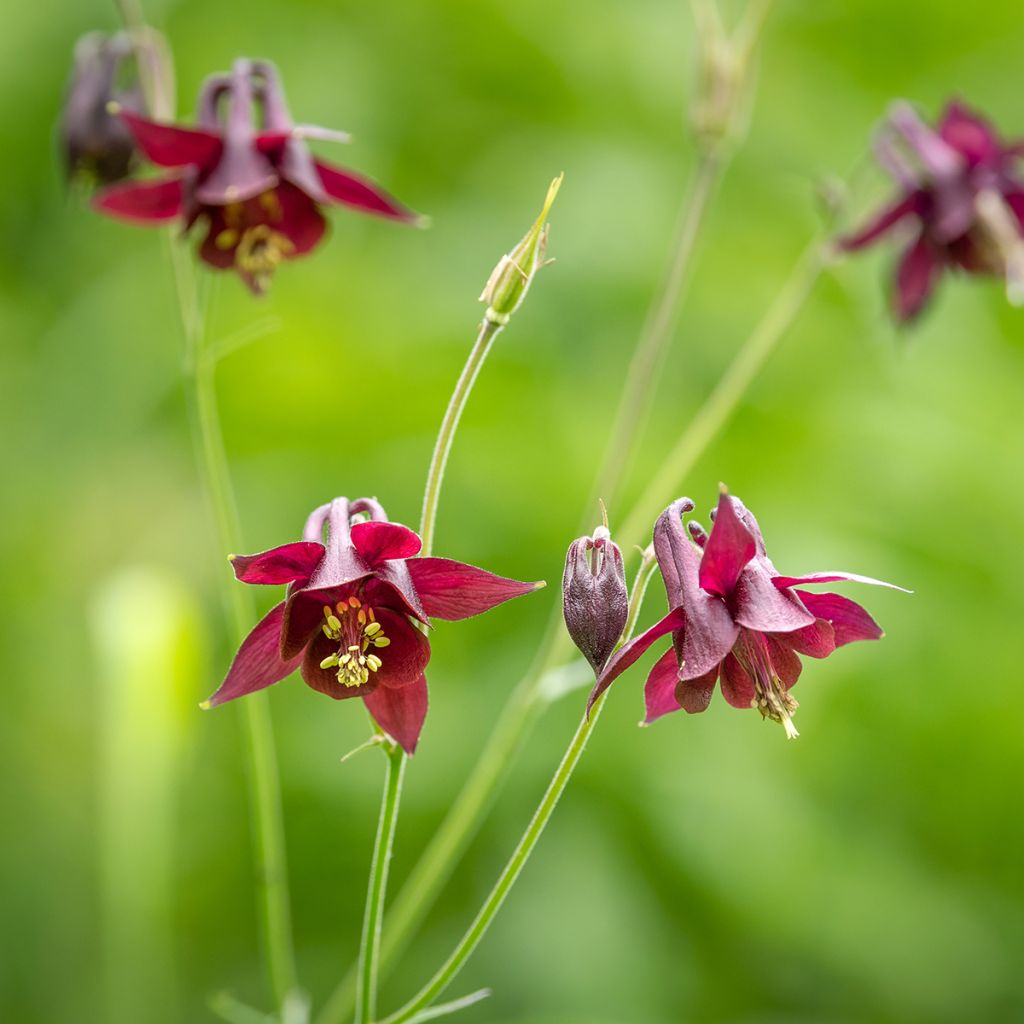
[(594, 598), (507, 286)]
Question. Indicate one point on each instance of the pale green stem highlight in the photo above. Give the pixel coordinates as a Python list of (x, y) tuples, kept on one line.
[(366, 993)]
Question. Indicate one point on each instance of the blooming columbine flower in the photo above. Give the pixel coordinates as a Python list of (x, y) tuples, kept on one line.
[(734, 618), (594, 599), (355, 615), (258, 193), (961, 188)]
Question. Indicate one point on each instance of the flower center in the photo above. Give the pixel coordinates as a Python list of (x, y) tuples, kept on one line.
[(771, 697), (353, 626), (258, 247)]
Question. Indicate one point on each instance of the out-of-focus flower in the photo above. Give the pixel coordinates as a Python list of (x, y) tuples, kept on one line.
[(355, 616), (734, 618), (95, 145), (258, 193), (959, 185), (594, 598)]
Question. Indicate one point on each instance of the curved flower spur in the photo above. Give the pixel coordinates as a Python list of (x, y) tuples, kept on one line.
[(354, 618), (734, 618), (960, 183), (260, 192)]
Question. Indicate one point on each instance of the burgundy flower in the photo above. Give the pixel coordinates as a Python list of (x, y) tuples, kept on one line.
[(960, 187), (355, 616), (734, 618), (259, 193)]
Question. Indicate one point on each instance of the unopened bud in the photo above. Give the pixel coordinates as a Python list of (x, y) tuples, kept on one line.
[(594, 598), (511, 278)]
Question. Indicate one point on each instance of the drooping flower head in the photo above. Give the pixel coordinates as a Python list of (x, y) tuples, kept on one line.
[(734, 619), (595, 603), (355, 616), (960, 187), (257, 191)]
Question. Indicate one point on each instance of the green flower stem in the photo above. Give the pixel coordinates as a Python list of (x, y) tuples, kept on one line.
[(726, 395), (264, 787), (435, 476), (366, 993), (507, 879)]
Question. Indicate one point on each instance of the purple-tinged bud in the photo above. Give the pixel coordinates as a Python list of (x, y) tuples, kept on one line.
[(594, 598)]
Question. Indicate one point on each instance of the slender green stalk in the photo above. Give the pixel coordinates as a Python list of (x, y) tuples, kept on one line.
[(366, 994), (435, 476), (264, 787), (507, 879), (652, 346), (723, 399)]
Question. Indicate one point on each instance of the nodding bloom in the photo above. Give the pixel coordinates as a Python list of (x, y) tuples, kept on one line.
[(95, 144), (259, 194), (355, 616), (960, 188), (735, 619), (594, 599)]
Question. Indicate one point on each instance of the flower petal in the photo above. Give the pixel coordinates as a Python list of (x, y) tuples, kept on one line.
[(849, 621), (406, 657), (377, 541), (737, 686), (816, 641), (356, 191), (168, 145), (454, 590), (143, 202), (299, 220), (660, 688), (884, 222), (970, 135), (916, 275), (728, 549), (694, 695), (758, 606), (286, 564), (785, 662), (400, 713), (783, 582), (630, 652), (258, 663)]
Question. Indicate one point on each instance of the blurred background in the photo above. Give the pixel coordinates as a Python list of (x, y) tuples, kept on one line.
[(701, 870)]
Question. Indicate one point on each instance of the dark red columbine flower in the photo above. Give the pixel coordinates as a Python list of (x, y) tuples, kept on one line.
[(354, 618), (595, 604), (259, 193), (734, 618), (960, 186)]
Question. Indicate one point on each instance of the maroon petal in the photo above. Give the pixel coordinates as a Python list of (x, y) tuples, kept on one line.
[(694, 695), (143, 202), (783, 582), (258, 663), (289, 563), (406, 657), (816, 641), (785, 662), (400, 713), (454, 590), (299, 219), (325, 680), (660, 688), (758, 606), (849, 621), (728, 549), (353, 190), (884, 222), (915, 279), (970, 135), (377, 541), (737, 686), (630, 652), (1015, 201), (167, 145)]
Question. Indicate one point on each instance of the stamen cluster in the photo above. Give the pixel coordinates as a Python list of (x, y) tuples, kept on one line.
[(355, 628)]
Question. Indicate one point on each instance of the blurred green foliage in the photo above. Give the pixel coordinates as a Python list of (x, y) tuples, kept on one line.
[(702, 870)]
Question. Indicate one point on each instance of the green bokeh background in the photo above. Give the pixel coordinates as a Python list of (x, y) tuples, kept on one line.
[(703, 870)]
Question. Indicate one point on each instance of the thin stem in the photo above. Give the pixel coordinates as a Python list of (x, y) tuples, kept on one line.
[(435, 476), (507, 879), (725, 396), (264, 786), (366, 994), (652, 346)]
